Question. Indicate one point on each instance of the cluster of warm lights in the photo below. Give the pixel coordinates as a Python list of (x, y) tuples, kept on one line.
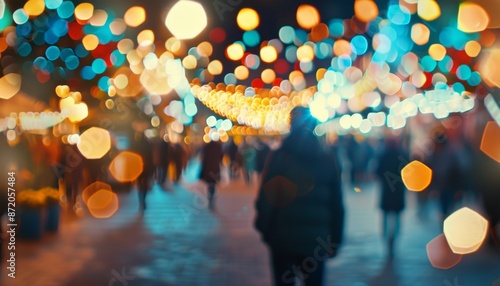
[(269, 113), (396, 76), (71, 104), (464, 232)]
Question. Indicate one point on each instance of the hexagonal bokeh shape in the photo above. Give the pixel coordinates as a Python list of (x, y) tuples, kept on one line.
[(490, 139), (465, 230), (440, 254), (126, 166), (416, 176), (186, 19), (10, 84), (94, 143), (94, 188), (103, 204)]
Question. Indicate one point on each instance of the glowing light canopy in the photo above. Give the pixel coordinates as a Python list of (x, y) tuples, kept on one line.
[(186, 19)]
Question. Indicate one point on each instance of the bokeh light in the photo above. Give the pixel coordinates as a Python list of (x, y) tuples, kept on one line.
[(103, 204), (472, 48), (235, 51), (10, 84), (472, 18), (77, 112), (84, 11), (489, 68), (420, 34), (126, 166), (247, 19), (215, 67), (307, 16), (135, 16), (465, 230), (34, 7), (93, 188), (428, 10), (268, 54), (94, 143), (90, 42), (490, 140), (186, 19), (365, 10), (437, 52), (416, 176), (440, 254)]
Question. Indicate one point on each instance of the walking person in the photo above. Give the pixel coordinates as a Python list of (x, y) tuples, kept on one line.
[(144, 148), (211, 159), (300, 213), (263, 151), (248, 155), (392, 193), (446, 173), (231, 151), (163, 160)]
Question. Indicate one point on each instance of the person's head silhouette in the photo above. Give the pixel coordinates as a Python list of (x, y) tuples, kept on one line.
[(301, 118)]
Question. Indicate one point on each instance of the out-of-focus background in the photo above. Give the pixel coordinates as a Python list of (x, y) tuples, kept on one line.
[(106, 106)]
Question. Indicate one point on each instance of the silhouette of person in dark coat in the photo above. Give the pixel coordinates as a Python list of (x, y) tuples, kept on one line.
[(300, 213), (392, 199), (232, 153), (144, 148), (210, 167), (163, 149)]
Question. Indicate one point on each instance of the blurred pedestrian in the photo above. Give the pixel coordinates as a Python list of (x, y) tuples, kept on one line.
[(486, 175), (231, 151), (178, 157), (163, 153), (392, 199), (211, 159), (71, 165), (300, 213), (263, 151), (446, 172), (143, 147), (248, 155)]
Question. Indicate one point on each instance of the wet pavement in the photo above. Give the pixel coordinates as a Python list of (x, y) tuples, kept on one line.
[(179, 241)]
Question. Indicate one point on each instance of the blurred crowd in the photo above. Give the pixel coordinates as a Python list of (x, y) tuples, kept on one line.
[(462, 173)]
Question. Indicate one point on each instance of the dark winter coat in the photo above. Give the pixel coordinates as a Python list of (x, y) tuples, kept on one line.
[(391, 161), (300, 201), (210, 163)]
